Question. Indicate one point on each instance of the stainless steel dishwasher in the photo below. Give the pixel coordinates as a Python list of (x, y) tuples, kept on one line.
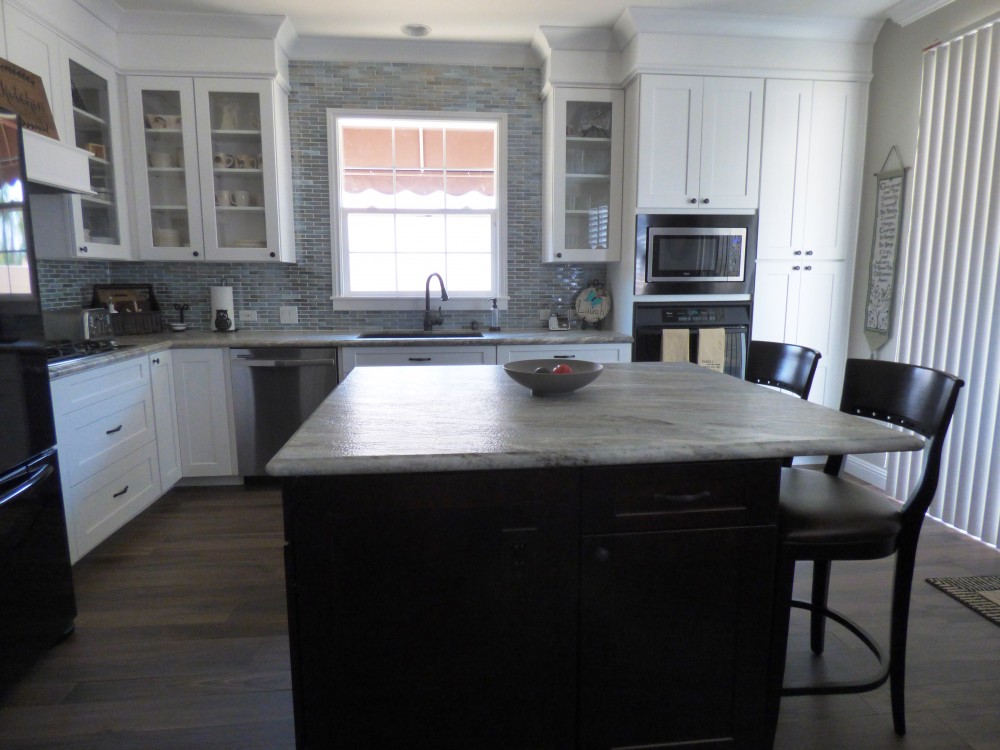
[(274, 391)]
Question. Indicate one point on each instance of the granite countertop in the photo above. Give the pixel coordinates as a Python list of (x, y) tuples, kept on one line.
[(460, 418), (148, 343)]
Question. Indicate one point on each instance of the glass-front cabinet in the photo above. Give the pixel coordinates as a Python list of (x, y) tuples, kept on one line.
[(583, 185), (100, 219), (207, 175)]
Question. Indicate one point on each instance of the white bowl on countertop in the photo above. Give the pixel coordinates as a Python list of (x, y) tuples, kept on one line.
[(178, 327)]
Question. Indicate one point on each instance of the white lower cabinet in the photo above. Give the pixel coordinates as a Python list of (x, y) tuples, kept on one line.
[(806, 304), (165, 414), (381, 356), (588, 352), (206, 432), (107, 447)]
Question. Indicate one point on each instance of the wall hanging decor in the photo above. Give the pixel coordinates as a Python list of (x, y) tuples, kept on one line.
[(891, 182)]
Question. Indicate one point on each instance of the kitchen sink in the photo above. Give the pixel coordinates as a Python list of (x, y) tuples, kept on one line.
[(421, 335)]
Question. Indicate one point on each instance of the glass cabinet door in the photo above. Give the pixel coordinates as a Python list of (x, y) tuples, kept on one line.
[(586, 187), (92, 118), (166, 169), (241, 194)]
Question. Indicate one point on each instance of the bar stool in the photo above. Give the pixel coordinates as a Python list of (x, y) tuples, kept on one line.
[(823, 518), (786, 366)]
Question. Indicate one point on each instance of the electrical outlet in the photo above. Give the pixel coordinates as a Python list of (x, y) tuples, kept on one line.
[(248, 315), (288, 314), (543, 313)]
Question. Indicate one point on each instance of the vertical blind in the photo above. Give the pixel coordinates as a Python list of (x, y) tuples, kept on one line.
[(950, 317)]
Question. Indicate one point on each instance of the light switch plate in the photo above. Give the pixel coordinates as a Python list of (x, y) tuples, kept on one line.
[(248, 315), (288, 314)]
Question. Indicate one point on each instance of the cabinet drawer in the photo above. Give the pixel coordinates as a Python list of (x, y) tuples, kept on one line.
[(86, 388), (108, 500), (94, 437), (590, 353), (680, 496), (382, 356)]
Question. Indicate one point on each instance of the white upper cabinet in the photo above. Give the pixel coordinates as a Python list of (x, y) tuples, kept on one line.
[(211, 164), (810, 176), (699, 142), (35, 47), (583, 175)]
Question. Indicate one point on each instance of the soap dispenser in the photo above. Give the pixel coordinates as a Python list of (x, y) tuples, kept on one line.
[(495, 316)]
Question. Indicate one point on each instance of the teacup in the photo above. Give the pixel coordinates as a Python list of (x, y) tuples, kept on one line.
[(223, 198), (225, 161), (241, 198), (246, 161), (156, 122)]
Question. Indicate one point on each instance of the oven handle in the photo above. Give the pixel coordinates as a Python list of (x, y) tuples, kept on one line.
[(33, 480)]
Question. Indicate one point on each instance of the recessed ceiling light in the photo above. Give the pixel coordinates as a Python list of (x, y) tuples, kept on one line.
[(415, 29)]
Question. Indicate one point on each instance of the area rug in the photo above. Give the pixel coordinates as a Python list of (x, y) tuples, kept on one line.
[(979, 593)]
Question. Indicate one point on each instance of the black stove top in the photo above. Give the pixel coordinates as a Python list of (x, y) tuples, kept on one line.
[(64, 350)]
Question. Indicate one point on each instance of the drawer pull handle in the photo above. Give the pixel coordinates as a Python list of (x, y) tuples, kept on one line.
[(121, 492), (563, 356), (419, 359), (692, 498), (116, 429)]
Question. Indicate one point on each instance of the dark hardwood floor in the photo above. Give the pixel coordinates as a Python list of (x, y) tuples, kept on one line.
[(181, 643)]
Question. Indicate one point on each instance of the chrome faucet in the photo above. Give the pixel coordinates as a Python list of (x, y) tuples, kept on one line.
[(431, 320)]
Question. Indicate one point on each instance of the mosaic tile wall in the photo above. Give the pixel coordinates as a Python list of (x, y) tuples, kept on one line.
[(316, 86)]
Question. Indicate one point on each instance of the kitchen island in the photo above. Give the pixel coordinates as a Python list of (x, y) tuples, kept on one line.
[(472, 566)]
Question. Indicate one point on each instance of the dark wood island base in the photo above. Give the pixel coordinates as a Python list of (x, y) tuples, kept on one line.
[(568, 607)]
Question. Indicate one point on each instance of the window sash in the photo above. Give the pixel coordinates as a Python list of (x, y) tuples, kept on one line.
[(346, 288)]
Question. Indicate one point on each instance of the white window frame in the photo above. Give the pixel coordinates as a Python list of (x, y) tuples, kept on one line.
[(414, 300)]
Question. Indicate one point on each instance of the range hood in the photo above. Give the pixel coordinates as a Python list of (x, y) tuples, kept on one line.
[(54, 166)]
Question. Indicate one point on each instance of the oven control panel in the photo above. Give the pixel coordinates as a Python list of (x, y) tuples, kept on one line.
[(693, 315)]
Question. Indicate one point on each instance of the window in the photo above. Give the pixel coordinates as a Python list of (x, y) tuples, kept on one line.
[(414, 195)]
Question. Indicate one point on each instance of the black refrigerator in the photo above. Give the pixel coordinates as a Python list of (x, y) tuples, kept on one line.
[(37, 604)]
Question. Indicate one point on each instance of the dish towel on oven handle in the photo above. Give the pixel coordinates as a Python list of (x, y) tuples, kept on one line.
[(676, 345), (712, 348)]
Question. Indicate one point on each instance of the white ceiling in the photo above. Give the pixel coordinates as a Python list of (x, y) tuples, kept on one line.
[(500, 21)]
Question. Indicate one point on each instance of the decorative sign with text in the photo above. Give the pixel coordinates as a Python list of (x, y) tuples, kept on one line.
[(885, 250), (22, 92)]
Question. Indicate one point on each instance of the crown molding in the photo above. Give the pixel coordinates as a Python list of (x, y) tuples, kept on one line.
[(643, 20), (908, 11)]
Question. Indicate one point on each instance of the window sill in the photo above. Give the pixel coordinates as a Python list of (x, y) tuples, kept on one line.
[(453, 304)]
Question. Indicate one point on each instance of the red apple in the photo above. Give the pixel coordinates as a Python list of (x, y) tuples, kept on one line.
[(561, 369)]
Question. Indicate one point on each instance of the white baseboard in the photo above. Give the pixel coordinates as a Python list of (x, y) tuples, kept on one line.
[(874, 475)]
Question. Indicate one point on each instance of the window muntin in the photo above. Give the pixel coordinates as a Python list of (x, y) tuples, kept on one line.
[(415, 195)]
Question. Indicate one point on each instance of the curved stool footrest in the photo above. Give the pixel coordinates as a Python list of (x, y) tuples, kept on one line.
[(843, 686)]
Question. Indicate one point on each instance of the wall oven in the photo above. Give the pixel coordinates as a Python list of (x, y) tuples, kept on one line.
[(652, 318), (694, 254)]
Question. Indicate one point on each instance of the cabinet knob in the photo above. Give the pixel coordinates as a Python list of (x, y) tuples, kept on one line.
[(808, 268), (704, 200), (558, 255), (271, 254), (797, 252), (693, 200), (84, 249), (156, 361), (809, 252), (796, 268), (195, 253)]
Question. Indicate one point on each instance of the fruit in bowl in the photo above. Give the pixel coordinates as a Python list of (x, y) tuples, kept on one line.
[(545, 377)]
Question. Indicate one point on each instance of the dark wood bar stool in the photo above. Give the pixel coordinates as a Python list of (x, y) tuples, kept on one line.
[(823, 518), (786, 366)]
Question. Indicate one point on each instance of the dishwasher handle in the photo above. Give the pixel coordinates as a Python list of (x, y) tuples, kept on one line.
[(245, 361)]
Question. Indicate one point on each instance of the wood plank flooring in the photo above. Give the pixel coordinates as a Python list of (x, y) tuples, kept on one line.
[(181, 642)]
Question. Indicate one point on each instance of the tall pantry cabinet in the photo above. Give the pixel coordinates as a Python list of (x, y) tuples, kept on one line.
[(811, 166)]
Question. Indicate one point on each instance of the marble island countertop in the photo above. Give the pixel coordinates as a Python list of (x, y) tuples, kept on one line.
[(460, 418), (142, 344)]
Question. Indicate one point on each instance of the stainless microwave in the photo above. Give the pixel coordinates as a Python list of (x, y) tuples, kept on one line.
[(692, 254)]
